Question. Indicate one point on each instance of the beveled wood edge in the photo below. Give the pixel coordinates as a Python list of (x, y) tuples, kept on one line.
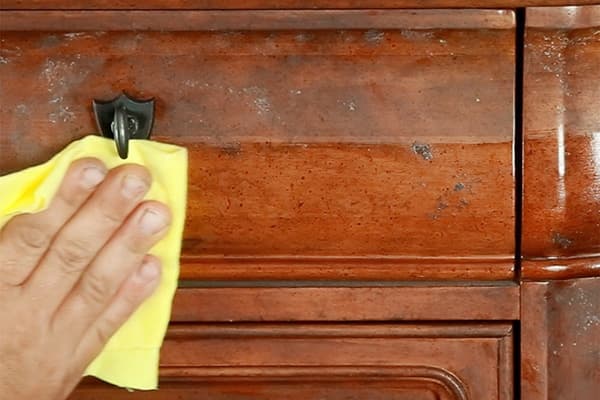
[(397, 303), (506, 367), (174, 20), (445, 379), (534, 340), (563, 17), (561, 268), (346, 268), (278, 4), (447, 330)]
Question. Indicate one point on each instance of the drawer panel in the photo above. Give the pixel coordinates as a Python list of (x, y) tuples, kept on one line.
[(442, 361), (333, 139), (561, 216), (276, 4)]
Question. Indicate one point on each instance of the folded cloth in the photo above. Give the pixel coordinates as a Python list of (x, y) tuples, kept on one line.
[(130, 359)]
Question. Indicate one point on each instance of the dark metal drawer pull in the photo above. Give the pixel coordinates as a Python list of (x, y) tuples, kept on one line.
[(124, 118)]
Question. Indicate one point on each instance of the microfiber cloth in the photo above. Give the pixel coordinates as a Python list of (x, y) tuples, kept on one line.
[(130, 358)]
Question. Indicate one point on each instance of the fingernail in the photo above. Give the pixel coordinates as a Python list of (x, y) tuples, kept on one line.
[(152, 221), (92, 176), (133, 186), (149, 271)]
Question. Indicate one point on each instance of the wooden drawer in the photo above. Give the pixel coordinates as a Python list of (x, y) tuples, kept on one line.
[(417, 362), (562, 133), (227, 343), (561, 207), (324, 144)]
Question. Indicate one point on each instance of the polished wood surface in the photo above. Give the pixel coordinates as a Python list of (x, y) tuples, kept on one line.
[(563, 268), (389, 269), (312, 148), (309, 360), (561, 216), (351, 219), (278, 4), (253, 20), (560, 345), (396, 303), (560, 319)]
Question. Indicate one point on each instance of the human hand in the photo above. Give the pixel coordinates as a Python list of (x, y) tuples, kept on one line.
[(71, 275)]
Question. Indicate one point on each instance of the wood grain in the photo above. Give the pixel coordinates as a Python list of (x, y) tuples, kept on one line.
[(318, 385), (283, 356), (398, 303), (563, 268), (331, 144), (359, 269), (561, 203), (560, 330), (278, 4), (252, 20)]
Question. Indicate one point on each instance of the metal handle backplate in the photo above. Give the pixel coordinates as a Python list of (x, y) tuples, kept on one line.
[(124, 118)]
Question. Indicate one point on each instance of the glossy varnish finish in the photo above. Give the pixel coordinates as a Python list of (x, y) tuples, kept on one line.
[(561, 215), (330, 146), (252, 20), (342, 150), (560, 318), (394, 303), (277, 4)]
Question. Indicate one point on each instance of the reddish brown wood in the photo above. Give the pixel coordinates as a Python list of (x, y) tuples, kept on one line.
[(278, 4), (406, 303), (562, 134), (564, 18), (381, 386), (253, 20), (560, 340), (560, 320), (350, 268), (450, 361), (337, 144), (563, 268)]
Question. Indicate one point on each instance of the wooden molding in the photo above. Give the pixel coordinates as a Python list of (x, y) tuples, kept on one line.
[(253, 20), (560, 268), (279, 4), (345, 269), (332, 360), (400, 303)]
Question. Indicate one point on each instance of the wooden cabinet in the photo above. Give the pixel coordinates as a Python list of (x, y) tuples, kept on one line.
[(334, 361), (561, 208), (358, 202)]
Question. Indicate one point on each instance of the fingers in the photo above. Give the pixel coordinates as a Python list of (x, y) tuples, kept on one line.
[(90, 228), (25, 238), (113, 264), (140, 284)]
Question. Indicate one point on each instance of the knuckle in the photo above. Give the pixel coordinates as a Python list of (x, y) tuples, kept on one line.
[(13, 271), (30, 237), (72, 255), (96, 289)]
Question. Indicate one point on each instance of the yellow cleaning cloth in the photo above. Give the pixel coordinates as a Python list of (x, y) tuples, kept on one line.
[(130, 359)]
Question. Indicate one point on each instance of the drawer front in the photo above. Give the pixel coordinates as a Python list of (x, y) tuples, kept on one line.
[(417, 362), (323, 144), (561, 216)]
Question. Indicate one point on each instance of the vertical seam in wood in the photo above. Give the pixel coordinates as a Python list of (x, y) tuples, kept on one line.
[(518, 165)]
